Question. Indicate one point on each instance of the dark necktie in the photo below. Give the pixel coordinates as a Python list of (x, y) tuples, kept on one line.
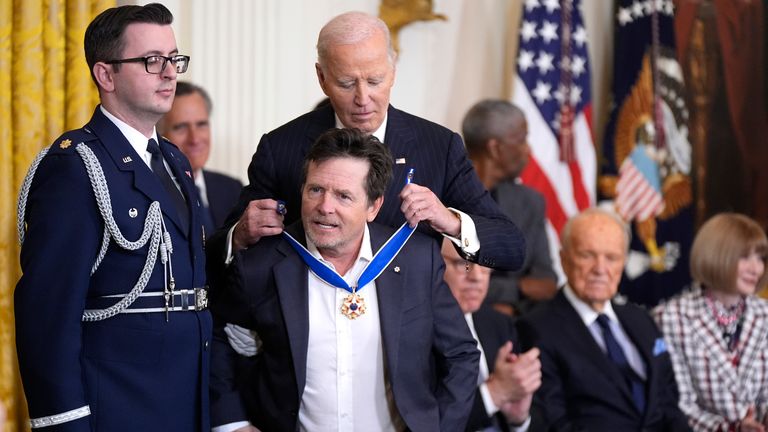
[(158, 167), (207, 214), (616, 354)]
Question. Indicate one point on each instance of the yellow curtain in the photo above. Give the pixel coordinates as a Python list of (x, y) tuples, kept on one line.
[(45, 89)]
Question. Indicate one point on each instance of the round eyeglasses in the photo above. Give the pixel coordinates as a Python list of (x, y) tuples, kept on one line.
[(155, 64)]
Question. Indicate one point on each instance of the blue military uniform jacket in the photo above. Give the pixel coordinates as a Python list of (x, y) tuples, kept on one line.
[(133, 371)]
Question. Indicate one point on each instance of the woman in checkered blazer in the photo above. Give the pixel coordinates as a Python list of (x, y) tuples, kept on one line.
[(717, 333)]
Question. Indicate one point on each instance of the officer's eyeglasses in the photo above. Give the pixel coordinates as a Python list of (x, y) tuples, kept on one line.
[(155, 64)]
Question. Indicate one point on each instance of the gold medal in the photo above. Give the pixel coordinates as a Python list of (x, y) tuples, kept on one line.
[(353, 306)]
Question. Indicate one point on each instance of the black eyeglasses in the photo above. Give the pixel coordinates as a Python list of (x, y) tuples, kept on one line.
[(155, 64)]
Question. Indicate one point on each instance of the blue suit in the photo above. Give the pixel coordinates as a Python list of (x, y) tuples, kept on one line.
[(135, 371), (430, 355), (437, 154)]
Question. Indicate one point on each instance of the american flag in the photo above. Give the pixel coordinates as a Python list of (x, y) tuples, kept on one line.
[(552, 87), (638, 191), (646, 152)]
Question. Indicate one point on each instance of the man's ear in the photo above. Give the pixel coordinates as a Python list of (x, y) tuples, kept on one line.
[(104, 75), (320, 77), (373, 208), (492, 147)]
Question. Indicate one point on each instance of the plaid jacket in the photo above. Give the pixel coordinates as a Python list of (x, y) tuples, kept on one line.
[(714, 393)]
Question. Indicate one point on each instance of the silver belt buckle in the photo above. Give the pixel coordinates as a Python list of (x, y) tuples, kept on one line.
[(201, 299)]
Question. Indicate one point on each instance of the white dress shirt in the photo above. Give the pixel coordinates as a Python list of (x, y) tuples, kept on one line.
[(345, 388), (589, 317)]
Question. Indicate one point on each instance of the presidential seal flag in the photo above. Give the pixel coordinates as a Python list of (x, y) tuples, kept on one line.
[(646, 167), (552, 87)]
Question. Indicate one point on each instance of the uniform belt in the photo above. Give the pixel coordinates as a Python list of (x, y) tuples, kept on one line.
[(182, 300)]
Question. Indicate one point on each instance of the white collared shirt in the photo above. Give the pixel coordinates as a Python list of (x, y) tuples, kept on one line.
[(345, 388), (589, 317), (200, 184), (139, 142), (137, 139)]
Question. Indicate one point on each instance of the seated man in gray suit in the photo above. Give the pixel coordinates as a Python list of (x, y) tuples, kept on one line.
[(507, 377), (351, 340), (605, 365), (496, 134)]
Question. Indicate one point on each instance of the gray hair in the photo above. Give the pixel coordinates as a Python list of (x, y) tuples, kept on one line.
[(184, 88), (351, 28), (488, 119), (565, 235)]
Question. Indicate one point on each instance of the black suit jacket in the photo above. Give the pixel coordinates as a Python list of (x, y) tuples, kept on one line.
[(494, 330), (222, 192), (582, 390), (437, 154), (430, 355)]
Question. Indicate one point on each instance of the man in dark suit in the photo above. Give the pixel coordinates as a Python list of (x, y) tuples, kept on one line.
[(605, 365), (111, 328), (188, 125), (507, 378), (342, 350), (356, 70), (496, 134)]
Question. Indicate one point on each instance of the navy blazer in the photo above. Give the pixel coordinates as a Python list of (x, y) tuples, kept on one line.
[(222, 192), (582, 390), (430, 355), (135, 371), (437, 155)]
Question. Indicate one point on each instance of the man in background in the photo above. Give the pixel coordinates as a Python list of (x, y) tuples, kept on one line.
[(605, 365), (507, 378), (496, 134), (188, 125)]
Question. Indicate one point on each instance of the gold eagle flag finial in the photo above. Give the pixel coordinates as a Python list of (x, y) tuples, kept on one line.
[(399, 13)]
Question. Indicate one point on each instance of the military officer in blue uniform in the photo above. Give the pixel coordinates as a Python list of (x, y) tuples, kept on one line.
[(112, 328)]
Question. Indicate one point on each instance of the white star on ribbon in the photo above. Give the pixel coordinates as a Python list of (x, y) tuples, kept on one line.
[(541, 92), (551, 5), (624, 16), (559, 93), (637, 9), (578, 66), (648, 6), (531, 5), (525, 60), (580, 36), (548, 31), (544, 62), (669, 8), (528, 31), (575, 95)]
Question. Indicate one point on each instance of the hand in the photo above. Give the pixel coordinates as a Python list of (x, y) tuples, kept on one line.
[(517, 412), (421, 204), (514, 376), (750, 423), (244, 341), (260, 219)]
